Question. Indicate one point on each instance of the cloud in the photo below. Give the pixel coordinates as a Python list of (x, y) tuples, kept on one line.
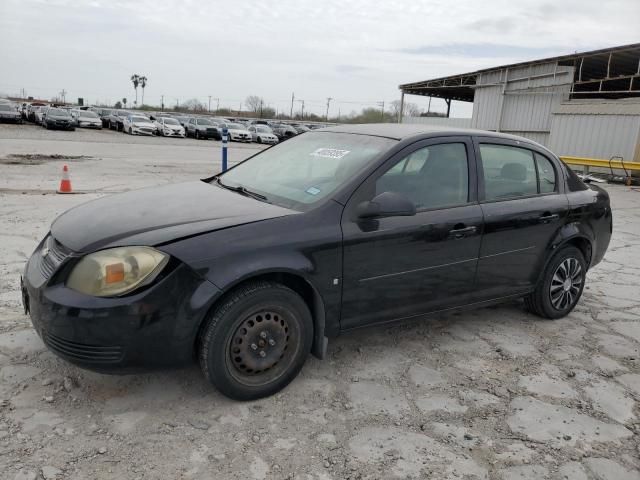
[(355, 51)]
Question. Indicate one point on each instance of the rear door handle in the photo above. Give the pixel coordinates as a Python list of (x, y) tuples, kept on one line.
[(462, 232), (548, 218)]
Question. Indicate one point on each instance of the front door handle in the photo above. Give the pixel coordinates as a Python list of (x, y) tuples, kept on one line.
[(462, 232), (548, 217)]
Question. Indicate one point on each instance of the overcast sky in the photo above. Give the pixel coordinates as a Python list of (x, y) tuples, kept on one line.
[(356, 51)]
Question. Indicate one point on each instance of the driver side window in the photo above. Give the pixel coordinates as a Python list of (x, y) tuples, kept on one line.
[(432, 177)]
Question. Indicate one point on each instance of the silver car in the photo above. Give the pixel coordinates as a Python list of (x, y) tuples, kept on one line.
[(263, 134), (86, 119)]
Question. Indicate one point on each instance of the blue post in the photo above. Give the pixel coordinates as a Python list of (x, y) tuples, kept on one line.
[(225, 134)]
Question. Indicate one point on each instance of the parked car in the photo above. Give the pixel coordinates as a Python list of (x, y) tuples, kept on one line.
[(283, 131), (169, 127), (237, 132), (58, 118), (382, 222), (138, 125), (183, 119), (202, 128), (262, 134), (86, 119), (300, 128), (116, 119), (9, 113), (38, 114), (104, 114)]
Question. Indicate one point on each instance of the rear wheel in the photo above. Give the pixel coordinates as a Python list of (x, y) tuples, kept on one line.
[(256, 341), (130, 131), (561, 285), (259, 140)]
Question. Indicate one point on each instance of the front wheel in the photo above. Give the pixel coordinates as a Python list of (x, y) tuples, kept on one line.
[(256, 341), (561, 285)]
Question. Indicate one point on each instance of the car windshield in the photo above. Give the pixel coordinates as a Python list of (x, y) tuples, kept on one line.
[(139, 119), (58, 112), (306, 169), (88, 114), (204, 121), (263, 129), (235, 126), (170, 121)]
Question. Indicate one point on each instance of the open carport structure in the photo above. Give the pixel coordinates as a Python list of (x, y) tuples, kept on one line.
[(583, 104)]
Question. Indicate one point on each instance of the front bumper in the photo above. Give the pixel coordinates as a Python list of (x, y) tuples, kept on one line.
[(143, 130), (155, 327), (238, 137)]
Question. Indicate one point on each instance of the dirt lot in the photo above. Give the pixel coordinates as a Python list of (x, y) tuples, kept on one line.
[(494, 393)]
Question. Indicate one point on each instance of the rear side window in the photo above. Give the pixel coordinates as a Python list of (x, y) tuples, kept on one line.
[(508, 172), (546, 174)]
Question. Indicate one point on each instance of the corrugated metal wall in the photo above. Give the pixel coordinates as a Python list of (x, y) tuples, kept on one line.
[(530, 94), (440, 121), (596, 136)]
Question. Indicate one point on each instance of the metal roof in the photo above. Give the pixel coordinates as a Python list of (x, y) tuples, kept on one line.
[(628, 106), (615, 68)]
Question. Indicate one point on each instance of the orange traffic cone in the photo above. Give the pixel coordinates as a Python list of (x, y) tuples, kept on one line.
[(65, 183)]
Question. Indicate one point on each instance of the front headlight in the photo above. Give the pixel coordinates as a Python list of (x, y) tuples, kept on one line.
[(116, 271)]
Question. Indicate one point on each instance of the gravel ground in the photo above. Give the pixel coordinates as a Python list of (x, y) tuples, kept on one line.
[(494, 393)]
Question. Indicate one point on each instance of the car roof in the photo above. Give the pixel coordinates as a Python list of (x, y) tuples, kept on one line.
[(401, 131)]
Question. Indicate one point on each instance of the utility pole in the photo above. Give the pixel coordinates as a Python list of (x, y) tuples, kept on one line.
[(302, 111), (162, 103), (382, 110), (209, 109), (326, 117), (217, 105), (293, 97), (63, 94)]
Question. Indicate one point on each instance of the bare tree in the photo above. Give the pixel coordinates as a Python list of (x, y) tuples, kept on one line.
[(195, 105), (143, 83), (135, 79), (254, 103), (124, 102), (410, 109)]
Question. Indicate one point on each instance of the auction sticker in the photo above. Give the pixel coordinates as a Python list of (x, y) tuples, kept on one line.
[(329, 153)]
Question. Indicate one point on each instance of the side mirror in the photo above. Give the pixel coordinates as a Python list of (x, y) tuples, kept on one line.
[(387, 204)]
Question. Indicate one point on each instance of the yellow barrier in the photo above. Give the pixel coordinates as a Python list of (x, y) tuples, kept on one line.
[(598, 162)]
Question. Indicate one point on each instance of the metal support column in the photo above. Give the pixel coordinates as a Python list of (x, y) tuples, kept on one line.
[(401, 111)]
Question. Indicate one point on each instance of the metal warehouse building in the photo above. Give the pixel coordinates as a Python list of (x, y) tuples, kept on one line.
[(584, 104)]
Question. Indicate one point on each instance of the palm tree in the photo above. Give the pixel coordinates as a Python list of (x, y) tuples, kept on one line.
[(135, 79), (143, 83)]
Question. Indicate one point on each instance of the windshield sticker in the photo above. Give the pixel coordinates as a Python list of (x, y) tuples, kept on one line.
[(329, 153), (313, 191)]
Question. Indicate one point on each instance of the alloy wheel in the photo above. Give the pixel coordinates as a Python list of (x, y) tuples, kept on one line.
[(566, 284)]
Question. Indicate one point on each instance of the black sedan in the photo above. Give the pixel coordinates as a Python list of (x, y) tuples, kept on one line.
[(57, 118), (251, 270)]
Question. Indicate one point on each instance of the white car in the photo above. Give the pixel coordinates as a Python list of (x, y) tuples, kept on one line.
[(237, 132), (169, 127), (262, 134), (86, 119), (138, 125)]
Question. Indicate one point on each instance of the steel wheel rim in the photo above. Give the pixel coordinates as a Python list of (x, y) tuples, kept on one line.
[(263, 346), (566, 283)]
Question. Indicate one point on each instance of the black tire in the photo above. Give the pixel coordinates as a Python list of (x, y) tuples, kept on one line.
[(259, 140), (561, 285), (197, 135), (130, 131), (256, 341)]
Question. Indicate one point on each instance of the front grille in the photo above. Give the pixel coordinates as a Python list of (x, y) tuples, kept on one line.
[(83, 352), (52, 255)]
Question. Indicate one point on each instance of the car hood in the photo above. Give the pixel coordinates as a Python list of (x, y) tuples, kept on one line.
[(158, 215)]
